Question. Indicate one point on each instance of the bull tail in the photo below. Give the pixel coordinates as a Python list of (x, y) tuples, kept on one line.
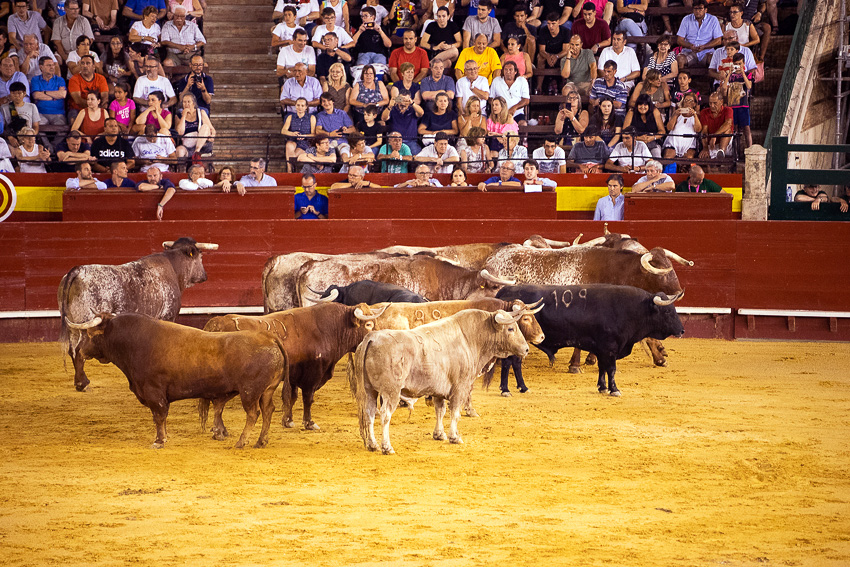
[(357, 378), (203, 412), (284, 378), (488, 373), (267, 270), (62, 298)]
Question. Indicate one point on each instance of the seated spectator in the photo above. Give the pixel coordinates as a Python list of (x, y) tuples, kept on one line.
[(336, 87), (482, 23), (329, 26), (257, 176), (811, 194), (553, 45), (523, 28), (504, 179), (297, 52), (435, 83), (471, 85), (531, 169), (333, 123), (358, 154), (119, 174), (611, 208), (154, 181), (589, 155), (194, 9), (370, 128), (403, 17), (663, 60), (103, 16), (498, 122), (83, 49), (370, 41), (134, 10), (511, 150), (604, 9), (721, 58), (84, 179), (355, 180), (440, 153), (630, 155), (111, 147), (368, 91), (594, 33), (402, 116), (571, 120), (422, 178), (25, 113), (475, 157), (409, 53), (123, 108), (307, 12), (29, 55), (321, 157), (579, 66), (699, 33), (394, 155), (843, 200), (183, 39), (484, 57), (459, 177), (632, 18), (152, 81), (716, 120), (550, 157), (154, 150), (91, 119), (441, 119), (406, 86), (472, 118), (5, 158), (310, 204), (682, 87), (282, 33), (381, 13), (146, 30), (299, 127), (195, 129), (746, 17), (522, 60), (227, 181), (9, 75), (697, 183), (513, 88), (196, 179), (657, 90), (49, 92), (628, 67), (655, 181), (611, 87), (197, 83), (608, 123), (684, 126), (330, 54), (300, 86), (647, 124), (72, 151), (442, 38), (25, 21), (154, 115)]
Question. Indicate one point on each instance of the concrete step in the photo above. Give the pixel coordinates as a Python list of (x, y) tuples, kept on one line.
[(220, 14), (258, 58), (251, 31), (777, 52), (245, 77)]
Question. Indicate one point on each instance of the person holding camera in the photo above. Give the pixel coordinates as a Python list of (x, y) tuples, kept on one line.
[(198, 83), (370, 41)]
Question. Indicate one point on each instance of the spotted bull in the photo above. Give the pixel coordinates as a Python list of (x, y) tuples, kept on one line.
[(440, 359), (152, 286)]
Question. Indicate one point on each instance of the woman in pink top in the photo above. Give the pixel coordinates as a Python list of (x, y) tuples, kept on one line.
[(498, 122), (193, 8), (521, 58)]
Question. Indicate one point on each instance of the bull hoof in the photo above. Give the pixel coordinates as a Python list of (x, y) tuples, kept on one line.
[(288, 423), (311, 426), (441, 436), (82, 387), (157, 445), (388, 450), (506, 394), (470, 412), (615, 393), (523, 390), (239, 445), (219, 436), (260, 444), (575, 370), (662, 363), (603, 390), (456, 440), (371, 446)]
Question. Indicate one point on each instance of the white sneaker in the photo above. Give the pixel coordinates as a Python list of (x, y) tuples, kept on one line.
[(721, 154)]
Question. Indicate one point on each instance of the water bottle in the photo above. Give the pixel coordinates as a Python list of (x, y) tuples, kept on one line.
[(60, 8)]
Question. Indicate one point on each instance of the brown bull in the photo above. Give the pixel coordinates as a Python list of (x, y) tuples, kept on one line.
[(165, 362)]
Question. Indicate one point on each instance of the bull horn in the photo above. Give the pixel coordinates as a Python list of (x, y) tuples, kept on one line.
[(595, 241), (605, 230), (644, 262), (535, 304), (656, 299), (168, 244), (623, 235), (82, 326), (676, 257), (359, 314), (505, 318), (206, 246), (329, 299), (493, 279), (558, 243), (577, 238), (531, 311)]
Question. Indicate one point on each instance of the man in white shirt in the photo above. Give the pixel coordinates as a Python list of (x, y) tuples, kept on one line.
[(298, 52), (471, 84), (440, 153), (329, 17), (152, 81), (514, 89), (196, 179), (258, 177), (630, 155), (283, 32), (628, 67), (183, 39), (551, 158), (306, 11), (154, 150), (84, 179)]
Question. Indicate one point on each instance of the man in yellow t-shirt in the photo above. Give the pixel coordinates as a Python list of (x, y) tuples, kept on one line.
[(488, 61)]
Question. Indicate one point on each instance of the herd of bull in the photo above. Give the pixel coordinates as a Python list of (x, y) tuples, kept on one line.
[(414, 321)]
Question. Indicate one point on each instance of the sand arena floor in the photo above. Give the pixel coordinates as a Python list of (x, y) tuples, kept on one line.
[(737, 454)]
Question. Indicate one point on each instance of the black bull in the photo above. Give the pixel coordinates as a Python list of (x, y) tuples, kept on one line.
[(369, 292), (606, 320)]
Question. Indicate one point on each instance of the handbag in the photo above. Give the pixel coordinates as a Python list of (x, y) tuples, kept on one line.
[(758, 74), (635, 17)]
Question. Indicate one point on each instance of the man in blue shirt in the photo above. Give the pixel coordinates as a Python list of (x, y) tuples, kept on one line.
[(698, 35), (504, 179), (48, 91), (610, 208), (133, 10), (310, 204), (402, 116), (334, 122)]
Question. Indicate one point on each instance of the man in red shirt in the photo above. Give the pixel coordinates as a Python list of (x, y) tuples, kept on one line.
[(716, 119), (595, 34), (83, 83), (410, 53)]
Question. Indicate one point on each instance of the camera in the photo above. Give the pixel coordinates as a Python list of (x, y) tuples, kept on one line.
[(370, 25)]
